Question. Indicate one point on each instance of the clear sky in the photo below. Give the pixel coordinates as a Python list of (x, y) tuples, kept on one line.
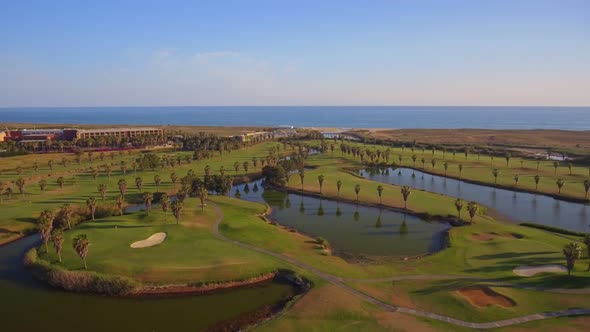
[(396, 52)]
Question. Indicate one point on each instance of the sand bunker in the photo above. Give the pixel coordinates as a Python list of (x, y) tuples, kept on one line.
[(529, 271), (481, 296), (150, 241), (492, 235)]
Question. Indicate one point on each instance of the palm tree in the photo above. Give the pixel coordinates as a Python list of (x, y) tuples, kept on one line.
[(302, 176), (57, 237), (537, 179), (122, 186), (177, 207), (321, 182), (495, 173), (460, 170), (139, 183), (157, 181), (42, 185), (459, 206), (66, 212), (433, 163), (222, 170), (516, 178), (380, 192), (406, 191), (255, 162), (338, 186), (203, 194), (587, 243), (165, 203), (446, 166), (20, 183), (245, 166), (472, 208), (45, 227), (60, 182), (560, 182), (586, 187), (109, 170), (569, 166), (134, 166), (400, 158), (147, 200), (91, 204), (555, 165), (237, 167), (572, 253), (2, 186), (81, 244), (414, 158), (423, 162), (357, 190), (120, 203), (94, 173), (507, 157), (50, 164), (174, 178), (123, 167)]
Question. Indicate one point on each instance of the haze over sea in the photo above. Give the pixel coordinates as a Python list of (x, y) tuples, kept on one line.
[(567, 118)]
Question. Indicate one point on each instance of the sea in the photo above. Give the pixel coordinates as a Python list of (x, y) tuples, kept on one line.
[(447, 117)]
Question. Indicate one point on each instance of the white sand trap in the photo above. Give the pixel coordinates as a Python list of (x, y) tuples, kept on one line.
[(529, 271), (150, 241)]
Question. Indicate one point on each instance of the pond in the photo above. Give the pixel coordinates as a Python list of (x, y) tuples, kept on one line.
[(29, 305), (519, 206), (353, 230)]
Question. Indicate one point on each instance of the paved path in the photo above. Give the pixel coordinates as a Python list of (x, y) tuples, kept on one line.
[(388, 307)]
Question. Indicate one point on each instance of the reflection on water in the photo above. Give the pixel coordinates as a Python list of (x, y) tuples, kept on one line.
[(351, 228), (519, 206), (29, 305)]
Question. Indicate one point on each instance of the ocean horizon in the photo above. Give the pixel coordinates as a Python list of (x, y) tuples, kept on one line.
[(395, 117)]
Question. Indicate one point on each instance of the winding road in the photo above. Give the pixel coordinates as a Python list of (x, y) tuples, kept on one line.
[(340, 282)]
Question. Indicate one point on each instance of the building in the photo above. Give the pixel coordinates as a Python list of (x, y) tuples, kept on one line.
[(118, 132)]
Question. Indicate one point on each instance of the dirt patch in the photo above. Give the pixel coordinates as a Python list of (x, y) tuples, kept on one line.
[(481, 296), (492, 235)]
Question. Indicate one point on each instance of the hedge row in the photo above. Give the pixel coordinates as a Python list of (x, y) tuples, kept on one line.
[(79, 281)]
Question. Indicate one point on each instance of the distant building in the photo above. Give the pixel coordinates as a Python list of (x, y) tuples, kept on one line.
[(39, 135), (119, 132)]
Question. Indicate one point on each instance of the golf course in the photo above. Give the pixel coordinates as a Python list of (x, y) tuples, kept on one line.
[(299, 233)]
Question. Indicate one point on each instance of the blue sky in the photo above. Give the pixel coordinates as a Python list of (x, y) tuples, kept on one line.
[(413, 52)]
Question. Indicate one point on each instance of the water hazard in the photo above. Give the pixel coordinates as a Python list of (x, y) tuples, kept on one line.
[(519, 206)]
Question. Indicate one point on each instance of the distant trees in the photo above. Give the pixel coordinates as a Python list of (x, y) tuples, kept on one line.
[(81, 244), (572, 252)]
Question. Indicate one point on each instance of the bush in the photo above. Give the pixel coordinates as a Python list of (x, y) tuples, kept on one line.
[(78, 281)]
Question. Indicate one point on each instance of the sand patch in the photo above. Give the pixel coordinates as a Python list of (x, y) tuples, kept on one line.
[(492, 235), (529, 271), (150, 241), (481, 296)]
